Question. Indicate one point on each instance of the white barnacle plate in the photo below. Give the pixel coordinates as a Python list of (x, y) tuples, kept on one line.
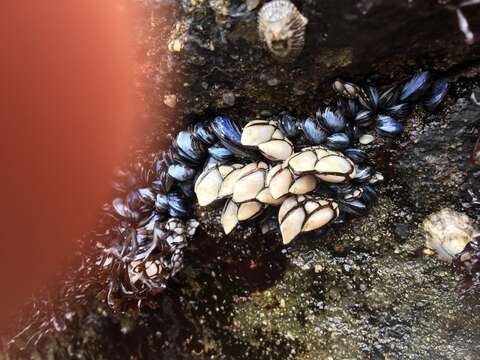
[(281, 181), (251, 185), (234, 213), (147, 270), (250, 182), (215, 182), (268, 138), (327, 165), (250, 196), (335, 168), (229, 181), (305, 213)]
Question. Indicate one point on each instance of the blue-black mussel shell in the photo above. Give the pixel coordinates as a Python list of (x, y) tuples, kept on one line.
[(289, 125), (141, 200), (338, 141), (121, 210), (388, 126), (229, 134), (181, 172), (219, 152), (389, 98), (332, 120), (437, 93), (399, 111), (314, 133), (162, 182), (364, 118), (187, 189), (187, 148), (416, 87), (369, 194), (340, 189), (227, 130), (363, 173), (348, 107), (204, 133), (179, 204), (161, 203), (355, 207), (356, 155), (369, 98)]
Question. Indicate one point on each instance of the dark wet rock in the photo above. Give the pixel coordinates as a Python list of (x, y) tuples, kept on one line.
[(221, 51), (363, 290), (402, 231)]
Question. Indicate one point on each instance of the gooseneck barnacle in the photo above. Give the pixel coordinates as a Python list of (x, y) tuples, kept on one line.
[(315, 170)]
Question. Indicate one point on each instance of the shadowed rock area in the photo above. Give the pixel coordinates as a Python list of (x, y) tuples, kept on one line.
[(219, 62), (364, 290)]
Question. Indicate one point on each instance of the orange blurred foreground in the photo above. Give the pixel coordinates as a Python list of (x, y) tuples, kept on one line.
[(66, 112)]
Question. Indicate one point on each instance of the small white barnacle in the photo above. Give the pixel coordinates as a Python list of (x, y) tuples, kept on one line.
[(447, 232), (282, 27)]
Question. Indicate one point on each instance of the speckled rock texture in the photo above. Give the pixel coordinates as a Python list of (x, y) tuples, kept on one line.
[(214, 60), (364, 291)]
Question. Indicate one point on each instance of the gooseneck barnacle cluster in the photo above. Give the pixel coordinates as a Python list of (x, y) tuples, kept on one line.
[(315, 170)]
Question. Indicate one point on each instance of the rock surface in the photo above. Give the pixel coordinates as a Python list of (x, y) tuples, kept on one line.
[(215, 61), (366, 291)]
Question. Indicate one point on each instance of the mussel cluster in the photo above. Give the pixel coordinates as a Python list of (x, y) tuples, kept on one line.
[(315, 169)]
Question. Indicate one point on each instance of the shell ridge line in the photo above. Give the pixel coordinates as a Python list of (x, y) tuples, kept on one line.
[(328, 205), (300, 204)]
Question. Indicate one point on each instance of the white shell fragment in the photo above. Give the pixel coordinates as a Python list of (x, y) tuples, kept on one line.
[(327, 165), (216, 182), (299, 214), (281, 181), (268, 138), (282, 27), (447, 232), (366, 139)]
